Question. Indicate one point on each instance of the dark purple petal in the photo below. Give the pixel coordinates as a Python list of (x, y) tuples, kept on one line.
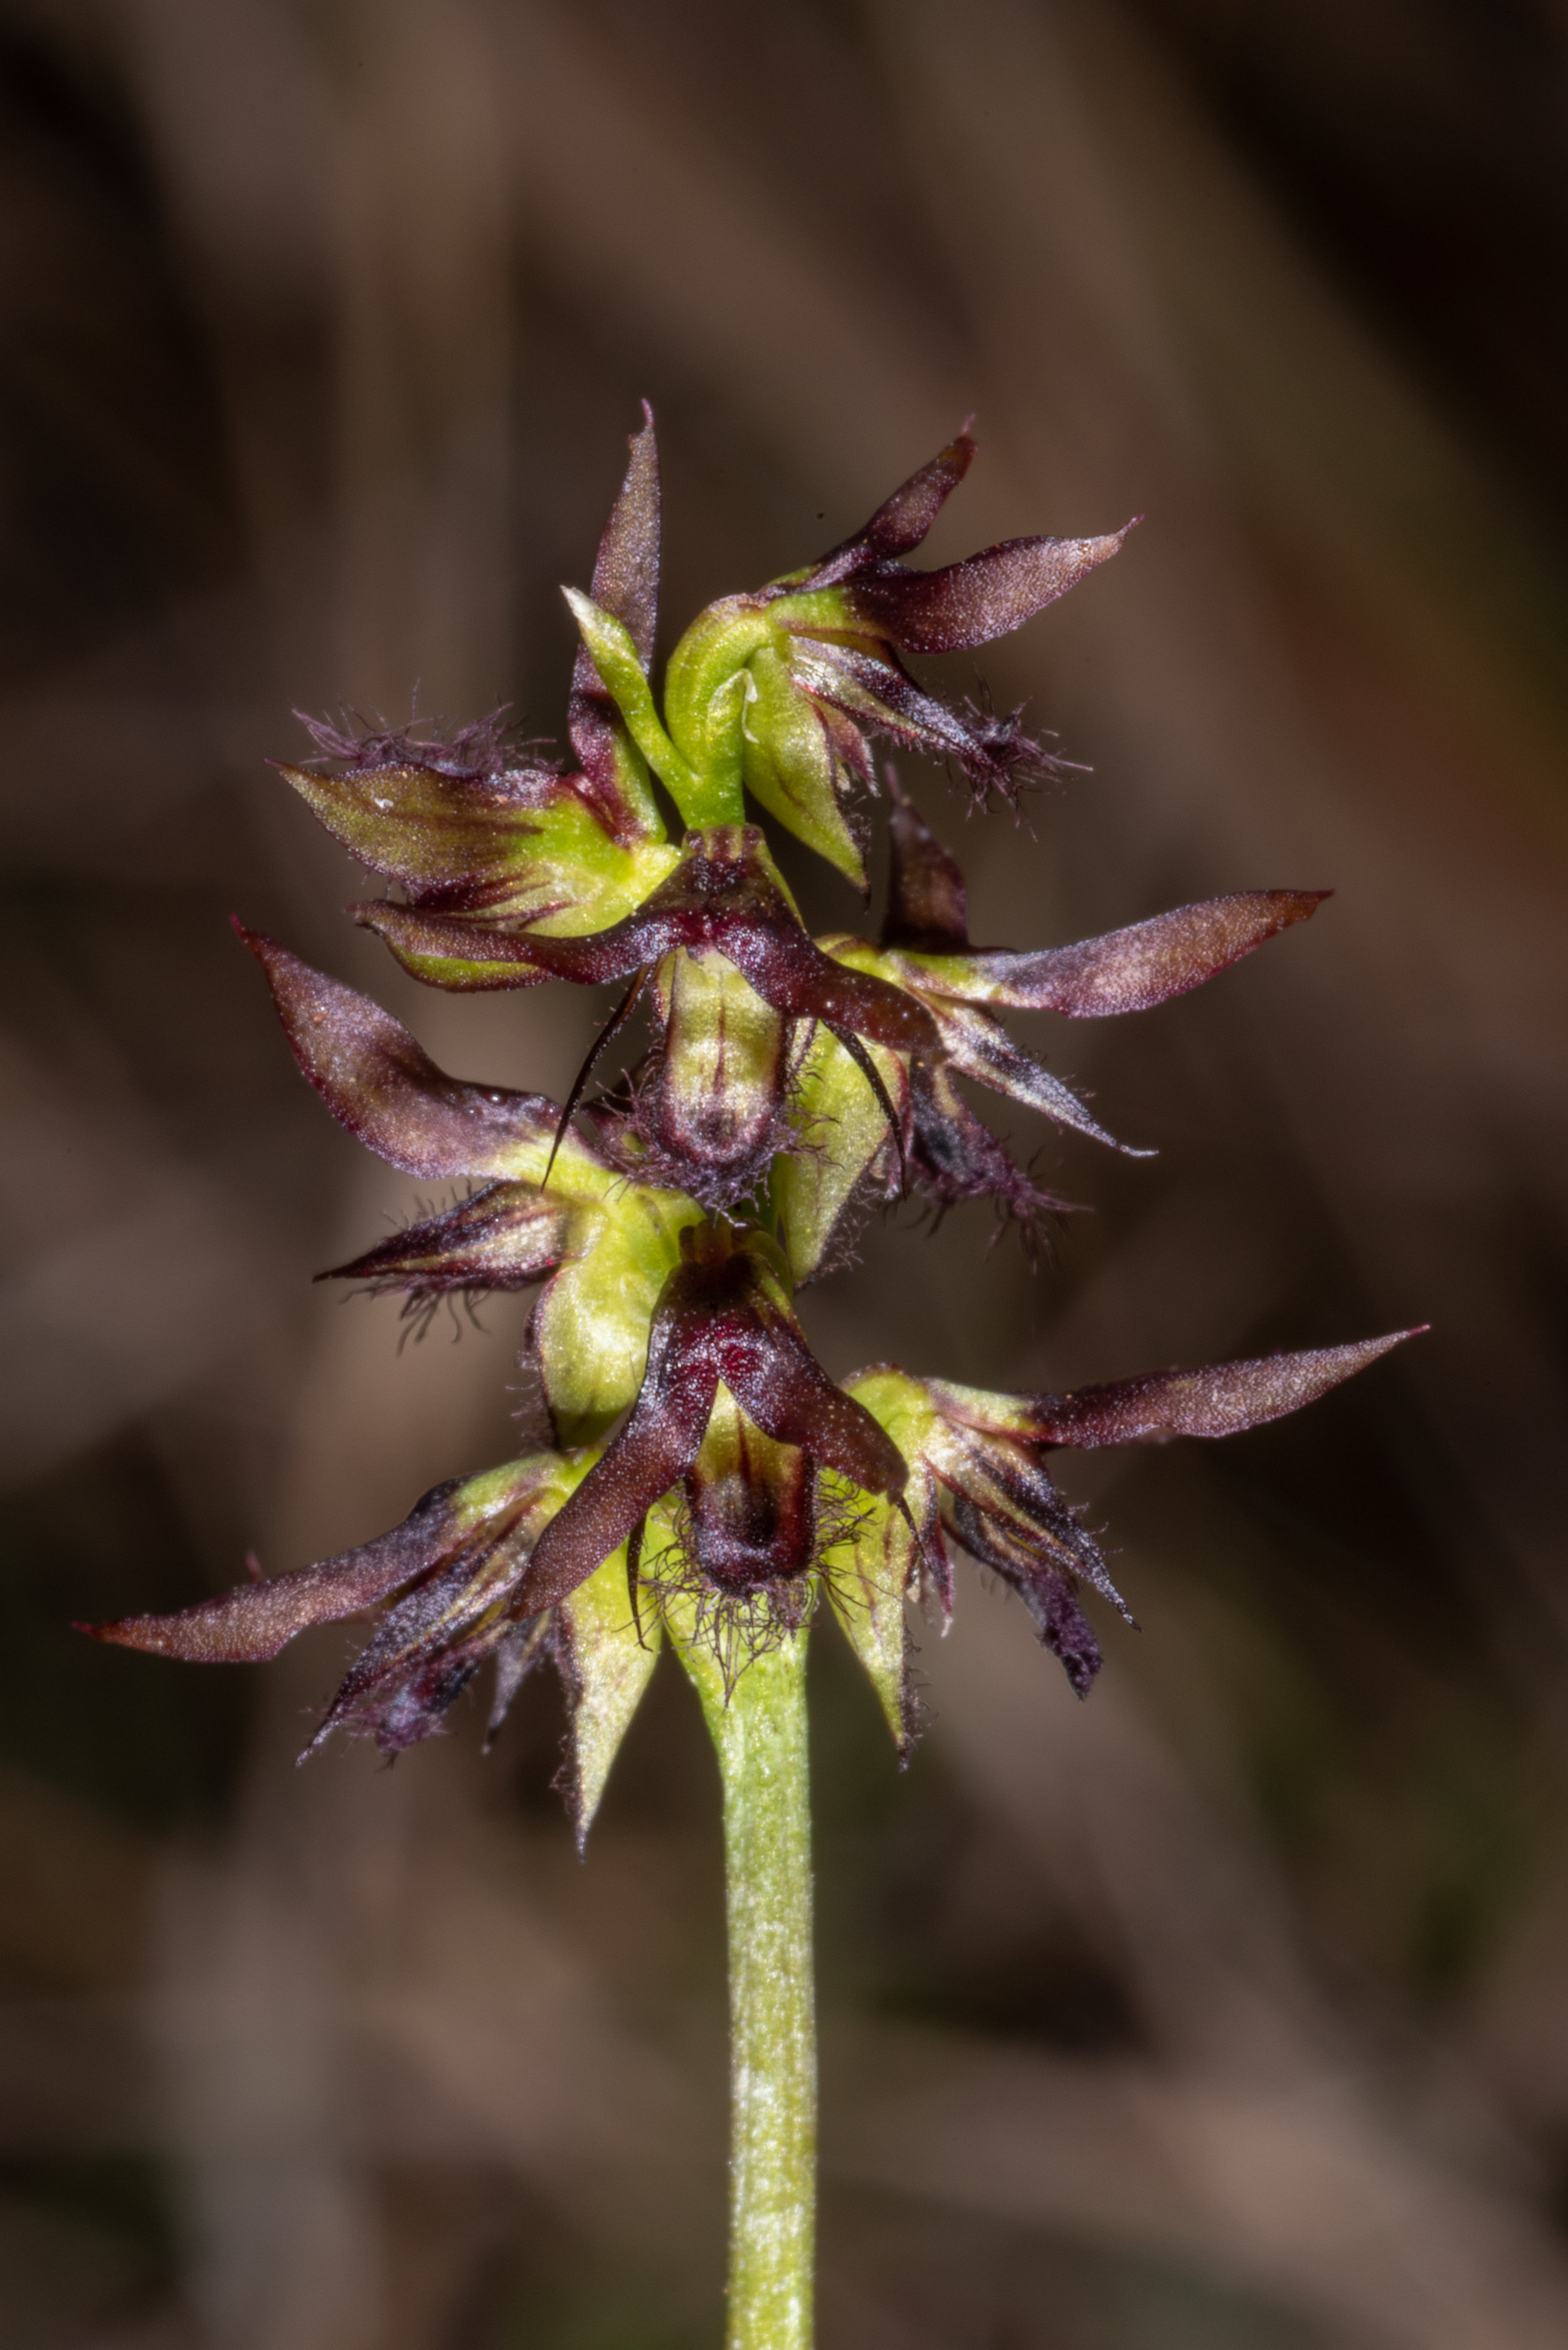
[(1063, 1627), (626, 575), (507, 1237), (981, 1049), (625, 584), (786, 1391), (954, 1155), (1147, 963), (422, 1655), (1218, 1401), (252, 1622), (449, 951), (381, 1083), (927, 904), (900, 521), (991, 751), (1044, 1586), (985, 595), (652, 1453)]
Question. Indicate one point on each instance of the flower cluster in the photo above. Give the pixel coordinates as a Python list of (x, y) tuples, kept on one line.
[(707, 1480)]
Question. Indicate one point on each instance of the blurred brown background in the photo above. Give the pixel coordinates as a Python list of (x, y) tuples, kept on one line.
[(1226, 2011)]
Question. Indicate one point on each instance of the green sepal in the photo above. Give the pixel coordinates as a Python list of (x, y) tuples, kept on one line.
[(611, 882), (706, 689), (723, 1067), (615, 656), (841, 1132), (788, 763), (549, 861), (591, 1325), (866, 1576), (606, 1658), (431, 830), (899, 1404)]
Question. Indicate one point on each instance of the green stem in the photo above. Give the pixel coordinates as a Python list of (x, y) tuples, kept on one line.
[(761, 1737)]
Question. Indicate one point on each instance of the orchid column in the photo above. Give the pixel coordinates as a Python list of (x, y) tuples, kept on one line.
[(707, 1483)]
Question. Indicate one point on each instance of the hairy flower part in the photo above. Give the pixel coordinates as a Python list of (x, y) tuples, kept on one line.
[(709, 1481), (444, 1594), (724, 903), (445, 1582), (603, 1246), (780, 692), (470, 826), (925, 950), (746, 1465), (850, 615), (978, 1483), (712, 1108)]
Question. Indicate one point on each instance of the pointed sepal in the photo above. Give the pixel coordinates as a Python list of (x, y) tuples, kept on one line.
[(606, 1657), (866, 1576)]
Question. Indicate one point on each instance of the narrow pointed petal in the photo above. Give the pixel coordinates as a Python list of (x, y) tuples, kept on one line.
[(991, 751), (252, 1623), (626, 574), (786, 1391), (445, 951), (379, 1082), (901, 521), (652, 1451), (977, 1047), (985, 595), (927, 901), (626, 586), (955, 1155), (1126, 970), (423, 1655), (508, 1236), (1218, 1401)]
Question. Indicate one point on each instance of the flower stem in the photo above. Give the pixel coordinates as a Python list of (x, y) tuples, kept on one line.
[(759, 1733)]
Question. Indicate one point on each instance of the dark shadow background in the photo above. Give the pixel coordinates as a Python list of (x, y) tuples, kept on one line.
[(1227, 2010)]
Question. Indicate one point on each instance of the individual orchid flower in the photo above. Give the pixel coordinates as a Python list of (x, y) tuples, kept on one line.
[(780, 691), (925, 950), (603, 1246), (978, 1483), (736, 1412), (446, 1591), (733, 976), (473, 825)]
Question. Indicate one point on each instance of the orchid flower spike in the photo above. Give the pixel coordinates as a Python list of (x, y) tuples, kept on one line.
[(703, 1479)]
